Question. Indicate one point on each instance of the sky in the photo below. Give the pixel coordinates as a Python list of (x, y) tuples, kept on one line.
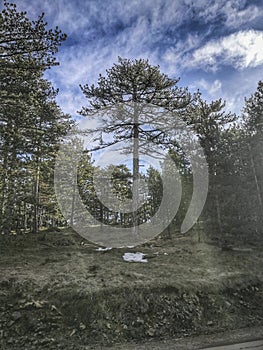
[(215, 46)]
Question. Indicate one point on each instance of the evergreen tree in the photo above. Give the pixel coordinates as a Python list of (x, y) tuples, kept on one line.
[(211, 124), (127, 88), (31, 123), (252, 147)]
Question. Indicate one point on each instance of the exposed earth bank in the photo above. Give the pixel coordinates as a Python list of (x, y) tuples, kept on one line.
[(63, 293)]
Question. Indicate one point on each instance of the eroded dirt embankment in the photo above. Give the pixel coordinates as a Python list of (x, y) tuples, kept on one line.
[(69, 296), (73, 320)]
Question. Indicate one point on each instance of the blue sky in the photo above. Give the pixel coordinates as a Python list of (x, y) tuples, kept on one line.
[(213, 45)]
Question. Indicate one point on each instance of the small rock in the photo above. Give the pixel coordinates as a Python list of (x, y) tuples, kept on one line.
[(210, 323)]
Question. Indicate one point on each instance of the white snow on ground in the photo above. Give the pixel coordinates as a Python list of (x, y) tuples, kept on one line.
[(102, 249), (134, 257)]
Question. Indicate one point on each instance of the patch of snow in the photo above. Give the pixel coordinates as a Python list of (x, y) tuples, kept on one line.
[(134, 257), (103, 249), (128, 246)]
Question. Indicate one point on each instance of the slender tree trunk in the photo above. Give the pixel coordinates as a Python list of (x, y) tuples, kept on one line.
[(36, 200), (73, 205), (6, 186), (101, 215), (3, 193), (255, 179), (135, 172), (25, 217), (218, 215), (12, 174)]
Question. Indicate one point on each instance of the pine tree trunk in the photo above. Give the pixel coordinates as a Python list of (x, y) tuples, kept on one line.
[(6, 186), (218, 215), (256, 180), (73, 205), (135, 173), (3, 194), (25, 217), (11, 214), (36, 199)]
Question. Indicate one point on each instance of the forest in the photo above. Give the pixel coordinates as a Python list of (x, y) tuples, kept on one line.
[(33, 127), (193, 213)]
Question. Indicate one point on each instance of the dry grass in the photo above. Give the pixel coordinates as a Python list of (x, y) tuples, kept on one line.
[(99, 297)]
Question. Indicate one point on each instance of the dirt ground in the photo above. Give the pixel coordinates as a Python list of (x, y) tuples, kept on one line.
[(62, 293)]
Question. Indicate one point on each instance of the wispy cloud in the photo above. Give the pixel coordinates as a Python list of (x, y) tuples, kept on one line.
[(187, 38), (241, 50), (176, 54), (236, 19), (212, 88), (232, 89)]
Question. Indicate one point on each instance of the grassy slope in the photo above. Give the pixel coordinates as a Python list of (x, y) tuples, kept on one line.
[(54, 289)]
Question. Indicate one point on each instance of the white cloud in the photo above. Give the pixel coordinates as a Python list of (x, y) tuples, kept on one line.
[(237, 18), (149, 29), (241, 50), (234, 12), (232, 88), (213, 88), (175, 58), (84, 66), (71, 101)]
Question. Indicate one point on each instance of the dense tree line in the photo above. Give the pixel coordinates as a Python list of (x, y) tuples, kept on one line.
[(31, 123), (32, 127), (231, 145)]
